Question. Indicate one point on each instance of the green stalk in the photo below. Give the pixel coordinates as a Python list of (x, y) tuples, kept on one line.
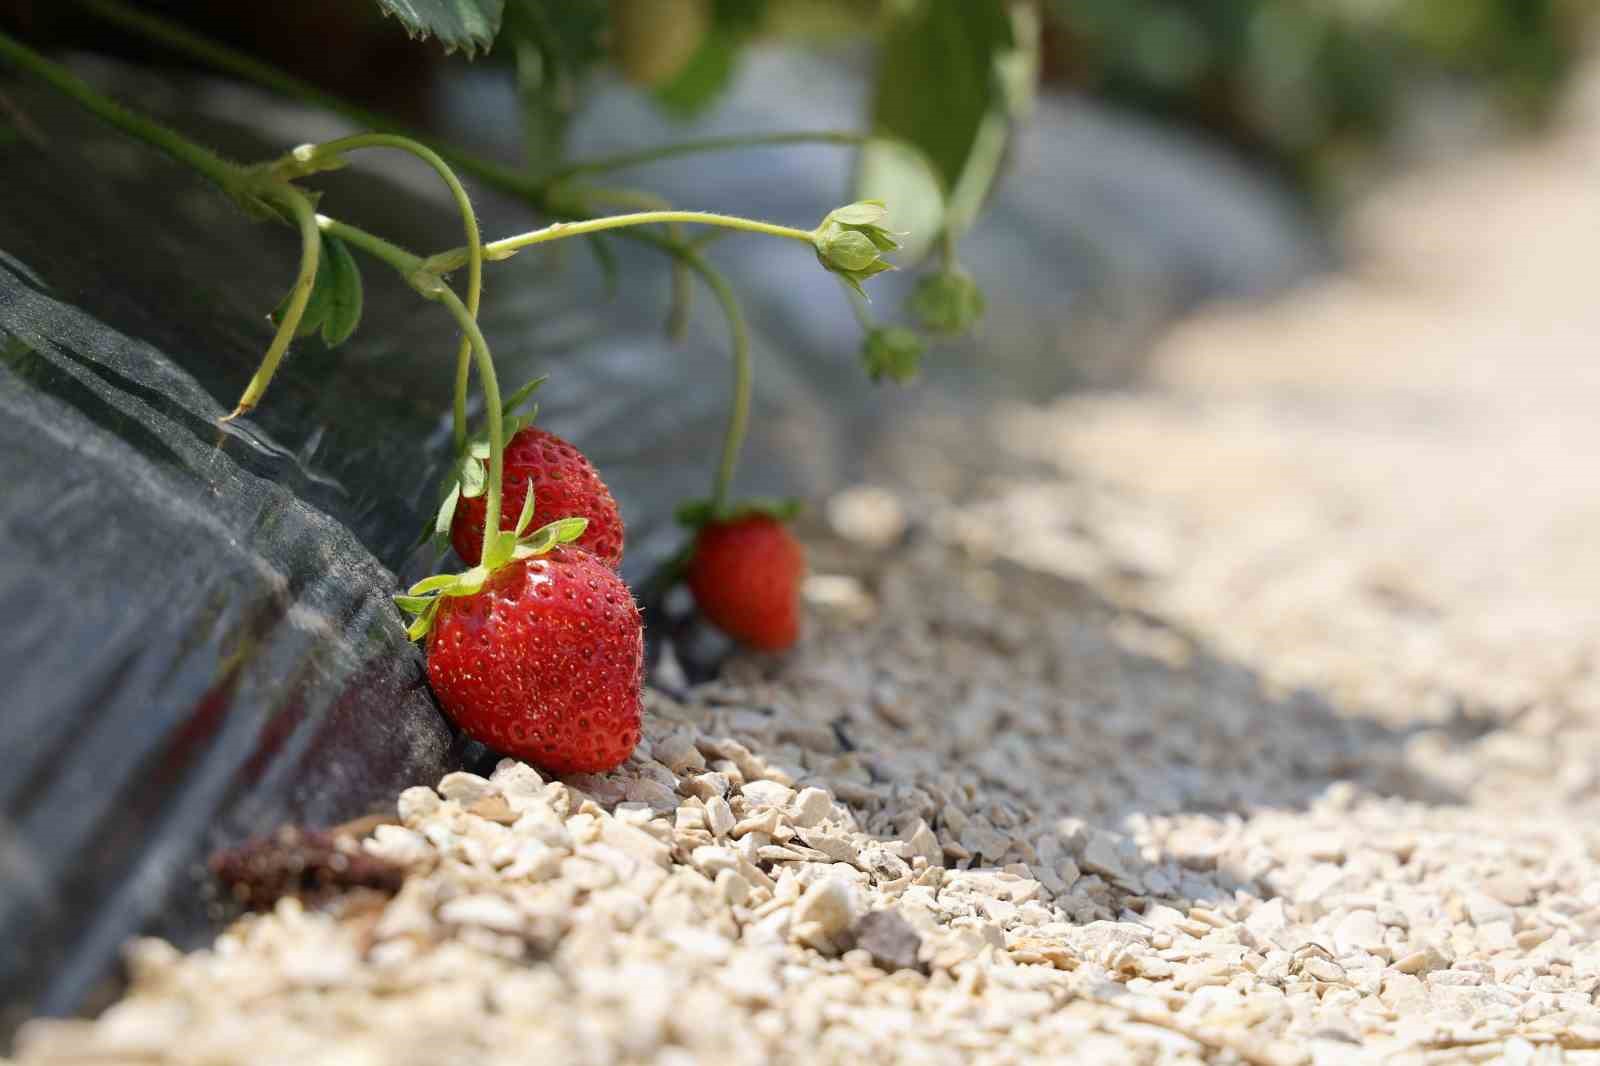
[(625, 160), (506, 247), (474, 247), (226, 174), (408, 264), (305, 216), (491, 399), (739, 414)]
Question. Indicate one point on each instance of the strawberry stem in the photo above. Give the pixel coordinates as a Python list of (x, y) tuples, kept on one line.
[(492, 541), (739, 412), (299, 205), (506, 247), (309, 156)]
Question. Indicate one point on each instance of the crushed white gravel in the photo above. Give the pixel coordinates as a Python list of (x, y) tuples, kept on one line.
[(1215, 723)]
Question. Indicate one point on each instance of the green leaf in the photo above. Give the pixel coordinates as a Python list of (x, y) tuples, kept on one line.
[(470, 25), (710, 69), (317, 304), (947, 68), (344, 292)]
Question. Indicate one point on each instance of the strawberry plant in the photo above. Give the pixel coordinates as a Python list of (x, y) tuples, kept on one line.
[(535, 647)]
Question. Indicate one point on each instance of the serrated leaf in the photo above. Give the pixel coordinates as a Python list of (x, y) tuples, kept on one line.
[(343, 313), (470, 25)]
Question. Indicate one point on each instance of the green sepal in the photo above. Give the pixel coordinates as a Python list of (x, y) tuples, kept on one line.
[(436, 583), (520, 397), (861, 213), (345, 292), (447, 511), (526, 516), (424, 621), (414, 604), (472, 478)]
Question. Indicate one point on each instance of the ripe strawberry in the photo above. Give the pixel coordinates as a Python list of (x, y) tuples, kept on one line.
[(564, 483), (745, 575), (544, 663)]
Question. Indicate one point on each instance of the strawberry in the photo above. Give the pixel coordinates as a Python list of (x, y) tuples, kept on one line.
[(544, 662), (564, 483), (745, 574)]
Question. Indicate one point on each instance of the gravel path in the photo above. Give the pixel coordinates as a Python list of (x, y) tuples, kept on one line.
[(1250, 717)]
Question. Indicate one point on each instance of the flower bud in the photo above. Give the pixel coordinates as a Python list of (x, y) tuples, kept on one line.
[(892, 352), (948, 302), (851, 241)]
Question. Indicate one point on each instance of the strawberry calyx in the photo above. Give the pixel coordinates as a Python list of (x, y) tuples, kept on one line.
[(468, 477), (697, 514), (422, 600)]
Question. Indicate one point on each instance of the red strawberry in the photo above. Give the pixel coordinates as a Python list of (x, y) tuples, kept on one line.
[(745, 575), (545, 662), (564, 483)]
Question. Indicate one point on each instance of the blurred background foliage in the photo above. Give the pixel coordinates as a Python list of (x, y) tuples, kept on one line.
[(1321, 90)]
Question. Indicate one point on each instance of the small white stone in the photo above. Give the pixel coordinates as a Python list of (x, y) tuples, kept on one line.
[(719, 816), (811, 806), (491, 912), (767, 793), (417, 803), (466, 789)]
